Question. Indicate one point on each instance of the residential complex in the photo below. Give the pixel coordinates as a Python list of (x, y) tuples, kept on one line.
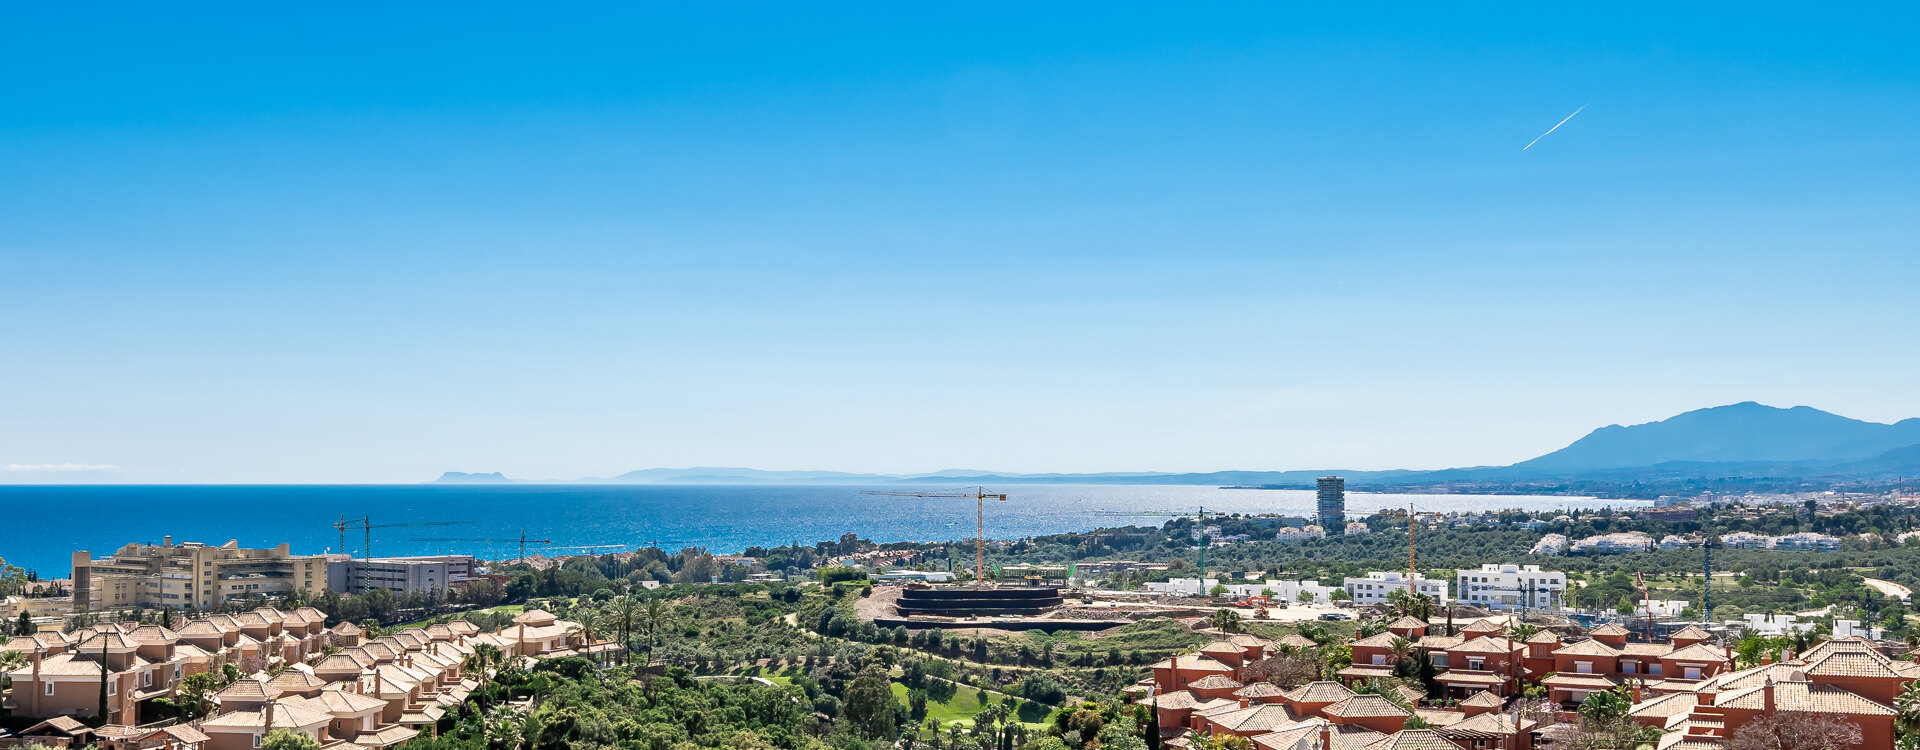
[(1378, 585), (191, 574), (1687, 686), (351, 575), (332, 685), (1508, 586)]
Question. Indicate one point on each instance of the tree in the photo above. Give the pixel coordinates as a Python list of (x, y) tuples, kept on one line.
[(195, 697), (1288, 670), (25, 625), (281, 739), (1909, 705), (654, 615), (1306, 597), (1796, 731), (625, 612), (1225, 620), (869, 704)]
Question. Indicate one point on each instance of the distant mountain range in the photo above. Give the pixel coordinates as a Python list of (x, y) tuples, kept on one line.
[(1744, 440)]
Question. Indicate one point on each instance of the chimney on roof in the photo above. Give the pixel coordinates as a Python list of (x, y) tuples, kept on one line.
[(1766, 697), (1636, 691), (1326, 735)]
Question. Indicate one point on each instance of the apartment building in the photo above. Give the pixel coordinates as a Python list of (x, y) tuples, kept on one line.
[(167, 575), (1509, 586), (1378, 585), (348, 575)]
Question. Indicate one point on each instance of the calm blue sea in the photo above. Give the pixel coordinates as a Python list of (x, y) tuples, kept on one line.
[(45, 524)]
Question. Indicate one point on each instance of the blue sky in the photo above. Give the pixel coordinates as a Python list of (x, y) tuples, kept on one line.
[(262, 244)]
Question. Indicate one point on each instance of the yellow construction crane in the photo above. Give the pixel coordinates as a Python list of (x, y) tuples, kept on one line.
[(980, 495), (366, 525)]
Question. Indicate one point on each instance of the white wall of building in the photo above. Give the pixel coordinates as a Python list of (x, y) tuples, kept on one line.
[(1378, 585), (1508, 586)]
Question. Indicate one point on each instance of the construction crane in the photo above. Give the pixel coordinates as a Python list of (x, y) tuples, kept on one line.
[(366, 524), (1200, 525), (523, 540), (980, 495)]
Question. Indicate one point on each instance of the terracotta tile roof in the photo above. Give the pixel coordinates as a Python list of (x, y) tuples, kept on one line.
[(1490, 725), (1262, 718), (1214, 681), (284, 715), (113, 640), (153, 634), (1805, 696), (294, 679), (1297, 641), (1439, 717), (1409, 694), (1748, 678), (1356, 738), (1248, 640), (1259, 690), (347, 628), (66, 664), (1407, 622), (341, 703), (1691, 632), (1441, 642), (1853, 664), (385, 737), (1665, 706), (1195, 662), (1484, 699), (1646, 650), (63, 724), (1706, 652), (1382, 639), (200, 628), (1544, 636), (250, 619), (1839, 644), (1174, 700), (1611, 628), (1470, 677), (1573, 681), (1221, 647), (1365, 706), (1485, 645), (1415, 739), (1482, 625), (1289, 738), (1216, 706), (1319, 691), (186, 733), (249, 690), (1366, 671), (1587, 648), (535, 617)]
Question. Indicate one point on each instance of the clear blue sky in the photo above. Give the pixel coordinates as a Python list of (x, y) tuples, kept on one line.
[(261, 243)]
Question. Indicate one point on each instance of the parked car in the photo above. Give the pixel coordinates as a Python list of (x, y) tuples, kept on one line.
[(1335, 616)]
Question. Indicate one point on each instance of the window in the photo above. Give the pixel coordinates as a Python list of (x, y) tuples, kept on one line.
[(1628, 667), (113, 687), (49, 686), (1692, 673), (256, 740), (1440, 659), (146, 679), (1653, 669), (1476, 664), (1379, 658), (1583, 667)]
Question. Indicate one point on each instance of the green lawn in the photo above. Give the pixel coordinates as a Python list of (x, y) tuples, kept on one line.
[(965, 703), (513, 609)]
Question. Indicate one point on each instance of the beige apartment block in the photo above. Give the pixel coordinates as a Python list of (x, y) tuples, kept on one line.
[(192, 574)]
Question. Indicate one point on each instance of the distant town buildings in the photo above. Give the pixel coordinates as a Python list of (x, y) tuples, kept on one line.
[(1509, 586), (1291, 534), (191, 574), (1551, 544), (1609, 544), (1357, 527), (1378, 585), (1333, 502), (1805, 541)]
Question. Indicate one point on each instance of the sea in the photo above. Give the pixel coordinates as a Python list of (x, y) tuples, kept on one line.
[(42, 525)]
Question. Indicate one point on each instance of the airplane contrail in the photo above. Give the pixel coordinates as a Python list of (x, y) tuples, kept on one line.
[(1556, 126)]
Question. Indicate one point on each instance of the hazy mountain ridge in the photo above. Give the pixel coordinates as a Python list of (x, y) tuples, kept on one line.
[(1747, 439)]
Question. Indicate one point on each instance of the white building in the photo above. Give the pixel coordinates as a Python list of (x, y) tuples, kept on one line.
[(1745, 540), (1852, 629), (1551, 544), (1509, 586), (1285, 592), (1357, 527), (1183, 586), (1378, 585), (1806, 540), (1772, 625), (1609, 544), (1675, 541), (1291, 534), (902, 576)]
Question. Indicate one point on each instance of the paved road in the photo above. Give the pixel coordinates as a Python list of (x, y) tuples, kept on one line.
[(1890, 588)]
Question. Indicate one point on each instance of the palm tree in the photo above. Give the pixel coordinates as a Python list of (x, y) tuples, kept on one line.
[(484, 655), (625, 612), (1225, 620), (1524, 630), (1402, 650), (1369, 629), (502, 730), (1909, 705), (588, 623), (656, 613)]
